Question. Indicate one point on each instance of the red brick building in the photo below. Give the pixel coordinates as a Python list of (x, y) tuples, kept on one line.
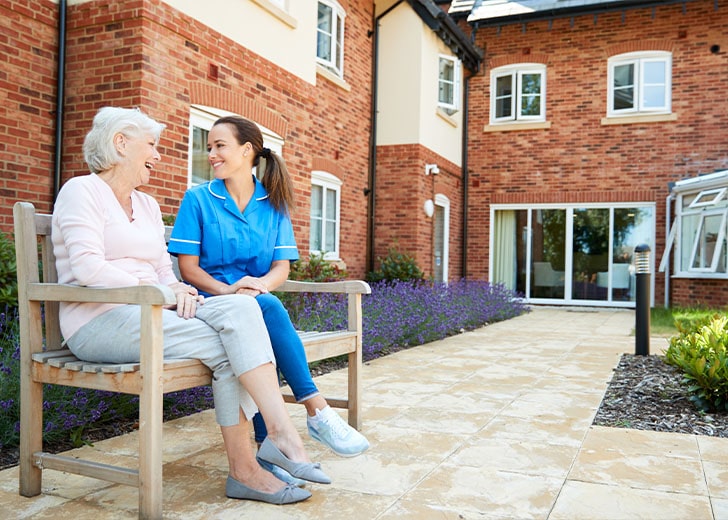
[(501, 142), (585, 116)]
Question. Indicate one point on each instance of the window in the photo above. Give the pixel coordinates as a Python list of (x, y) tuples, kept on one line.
[(699, 230), (575, 253), (325, 219), (703, 231), (201, 121), (640, 83), (448, 92), (518, 93), (330, 36)]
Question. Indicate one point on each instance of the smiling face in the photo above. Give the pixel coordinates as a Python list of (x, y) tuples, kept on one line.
[(141, 156), (227, 157)]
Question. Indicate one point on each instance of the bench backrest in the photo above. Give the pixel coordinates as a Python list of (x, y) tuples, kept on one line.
[(37, 263)]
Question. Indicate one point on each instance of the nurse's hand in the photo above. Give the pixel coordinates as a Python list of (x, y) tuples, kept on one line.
[(250, 285)]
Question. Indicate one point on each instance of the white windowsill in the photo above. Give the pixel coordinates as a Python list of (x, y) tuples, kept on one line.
[(278, 13), (447, 117), (704, 276), (333, 78), (641, 118), (510, 127)]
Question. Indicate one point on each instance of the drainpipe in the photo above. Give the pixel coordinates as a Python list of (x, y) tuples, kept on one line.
[(370, 191), (668, 229), (466, 177), (60, 97)]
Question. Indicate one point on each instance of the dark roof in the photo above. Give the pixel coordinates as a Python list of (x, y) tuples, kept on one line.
[(449, 32), (497, 12)]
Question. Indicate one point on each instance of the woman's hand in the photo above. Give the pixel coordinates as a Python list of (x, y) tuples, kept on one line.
[(187, 299), (250, 285)]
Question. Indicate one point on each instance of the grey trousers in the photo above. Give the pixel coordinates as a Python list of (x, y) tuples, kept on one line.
[(227, 334)]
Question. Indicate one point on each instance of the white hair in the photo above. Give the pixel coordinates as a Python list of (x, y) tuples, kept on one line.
[(98, 147)]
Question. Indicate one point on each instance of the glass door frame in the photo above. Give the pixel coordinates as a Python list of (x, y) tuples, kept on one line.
[(569, 254)]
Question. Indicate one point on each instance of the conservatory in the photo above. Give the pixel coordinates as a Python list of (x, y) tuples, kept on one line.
[(696, 238)]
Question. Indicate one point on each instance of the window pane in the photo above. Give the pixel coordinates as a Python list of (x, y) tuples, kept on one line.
[(654, 72), (325, 28), (503, 96), (623, 87), (591, 252), (632, 226), (654, 97), (531, 84), (201, 171), (316, 218), (548, 246), (331, 220), (688, 231), (531, 94), (707, 241), (446, 92), (330, 205)]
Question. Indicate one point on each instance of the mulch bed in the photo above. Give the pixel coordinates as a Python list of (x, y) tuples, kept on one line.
[(648, 394)]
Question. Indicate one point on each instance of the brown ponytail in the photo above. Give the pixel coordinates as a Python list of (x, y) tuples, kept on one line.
[(275, 179)]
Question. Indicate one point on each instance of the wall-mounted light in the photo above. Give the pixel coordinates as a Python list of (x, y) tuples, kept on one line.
[(429, 208), (431, 169)]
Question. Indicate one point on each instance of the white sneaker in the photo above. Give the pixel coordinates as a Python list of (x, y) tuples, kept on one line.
[(329, 429)]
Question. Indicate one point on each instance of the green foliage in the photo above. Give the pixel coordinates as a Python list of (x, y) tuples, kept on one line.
[(8, 273), (693, 320), (397, 265), (700, 351), (316, 269)]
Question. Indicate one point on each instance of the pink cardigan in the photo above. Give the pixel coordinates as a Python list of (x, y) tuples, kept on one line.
[(96, 245)]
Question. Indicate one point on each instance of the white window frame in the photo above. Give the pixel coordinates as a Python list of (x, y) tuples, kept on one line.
[(452, 105), (701, 206), (638, 60), (327, 182), (336, 37), (204, 117), (516, 73)]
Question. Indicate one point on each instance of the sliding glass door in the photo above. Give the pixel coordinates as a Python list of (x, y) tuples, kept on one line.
[(571, 254)]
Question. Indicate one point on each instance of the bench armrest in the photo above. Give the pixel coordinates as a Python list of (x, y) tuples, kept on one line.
[(137, 294), (344, 286)]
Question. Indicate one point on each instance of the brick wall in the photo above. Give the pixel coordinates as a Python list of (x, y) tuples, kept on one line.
[(144, 53), (578, 159), (28, 56), (402, 189)]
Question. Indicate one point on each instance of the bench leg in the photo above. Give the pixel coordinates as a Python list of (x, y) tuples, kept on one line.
[(31, 433), (354, 414), (150, 415)]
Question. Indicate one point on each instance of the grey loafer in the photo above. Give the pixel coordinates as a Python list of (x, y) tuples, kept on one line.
[(310, 471), (287, 495)]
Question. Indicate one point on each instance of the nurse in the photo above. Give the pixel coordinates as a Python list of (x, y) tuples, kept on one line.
[(233, 235)]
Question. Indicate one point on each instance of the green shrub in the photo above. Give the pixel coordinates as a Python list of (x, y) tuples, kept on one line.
[(692, 320), (396, 265), (8, 273), (701, 356), (316, 269)]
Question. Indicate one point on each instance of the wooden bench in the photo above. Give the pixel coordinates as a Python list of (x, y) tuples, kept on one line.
[(44, 360)]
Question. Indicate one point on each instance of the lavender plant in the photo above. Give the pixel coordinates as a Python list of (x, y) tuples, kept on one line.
[(401, 313), (397, 314)]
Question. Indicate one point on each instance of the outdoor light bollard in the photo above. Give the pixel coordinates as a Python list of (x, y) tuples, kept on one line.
[(642, 300)]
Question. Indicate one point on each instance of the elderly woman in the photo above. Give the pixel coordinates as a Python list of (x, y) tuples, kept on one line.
[(107, 233)]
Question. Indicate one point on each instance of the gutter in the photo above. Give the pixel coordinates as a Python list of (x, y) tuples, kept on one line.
[(60, 97)]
